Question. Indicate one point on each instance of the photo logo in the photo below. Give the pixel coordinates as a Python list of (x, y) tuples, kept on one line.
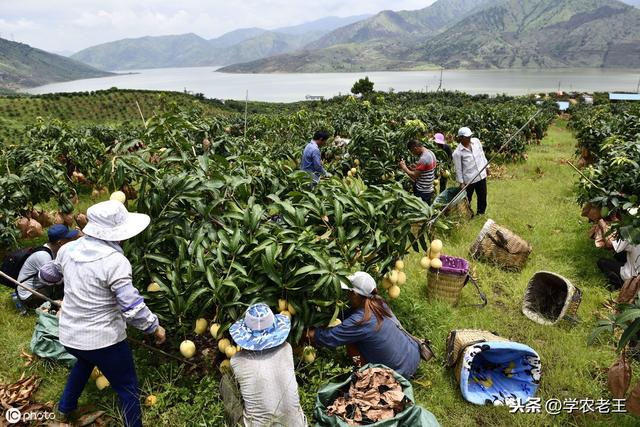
[(13, 415)]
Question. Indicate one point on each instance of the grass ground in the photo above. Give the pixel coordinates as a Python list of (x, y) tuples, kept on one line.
[(533, 199)]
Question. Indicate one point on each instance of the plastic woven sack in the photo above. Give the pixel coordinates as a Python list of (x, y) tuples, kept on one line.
[(414, 415), (45, 342)]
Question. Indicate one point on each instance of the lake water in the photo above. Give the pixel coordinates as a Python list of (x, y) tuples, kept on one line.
[(294, 87)]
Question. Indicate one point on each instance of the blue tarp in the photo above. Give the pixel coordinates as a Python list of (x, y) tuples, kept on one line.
[(499, 373)]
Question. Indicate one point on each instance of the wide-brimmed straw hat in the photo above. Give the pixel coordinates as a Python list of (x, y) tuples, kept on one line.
[(260, 329), (112, 222)]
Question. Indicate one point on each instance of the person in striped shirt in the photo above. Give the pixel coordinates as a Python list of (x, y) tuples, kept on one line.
[(423, 172)]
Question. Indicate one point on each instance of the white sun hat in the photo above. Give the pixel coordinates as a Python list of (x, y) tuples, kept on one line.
[(361, 283), (112, 222), (465, 131)]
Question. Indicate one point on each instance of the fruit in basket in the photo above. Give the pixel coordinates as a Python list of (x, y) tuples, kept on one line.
[(425, 262), (436, 264)]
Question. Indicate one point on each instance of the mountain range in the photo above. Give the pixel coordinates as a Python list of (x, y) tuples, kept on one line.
[(191, 50), (474, 34), (24, 66)]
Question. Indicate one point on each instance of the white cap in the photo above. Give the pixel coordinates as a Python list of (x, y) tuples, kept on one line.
[(111, 221), (464, 132), (361, 283)]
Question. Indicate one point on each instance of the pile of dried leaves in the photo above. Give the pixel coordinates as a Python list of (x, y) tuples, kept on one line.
[(374, 395), (18, 394)]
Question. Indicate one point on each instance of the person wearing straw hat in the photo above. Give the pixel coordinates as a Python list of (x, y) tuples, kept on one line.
[(441, 143), (264, 371), (471, 168), (370, 330), (99, 301)]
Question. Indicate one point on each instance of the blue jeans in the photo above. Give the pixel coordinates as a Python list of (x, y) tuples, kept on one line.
[(116, 363)]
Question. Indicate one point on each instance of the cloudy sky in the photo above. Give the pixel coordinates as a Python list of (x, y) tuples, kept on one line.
[(71, 25)]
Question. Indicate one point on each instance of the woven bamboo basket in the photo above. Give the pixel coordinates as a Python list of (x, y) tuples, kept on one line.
[(446, 283), (461, 209), (459, 339), (549, 298), (497, 245)]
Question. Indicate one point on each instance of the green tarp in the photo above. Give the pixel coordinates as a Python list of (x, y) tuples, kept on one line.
[(44, 342), (413, 416), (448, 195)]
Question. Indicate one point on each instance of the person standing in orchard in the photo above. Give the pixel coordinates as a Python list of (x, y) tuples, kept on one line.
[(370, 331), (471, 168), (99, 301), (423, 173), (311, 158)]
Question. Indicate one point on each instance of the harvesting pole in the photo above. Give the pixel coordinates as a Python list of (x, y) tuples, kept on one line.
[(144, 122), (457, 197)]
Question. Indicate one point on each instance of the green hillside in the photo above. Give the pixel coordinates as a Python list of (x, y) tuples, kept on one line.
[(542, 33), (388, 24), (191, 50), (105, 107), (23, 66), (145, 52), (475, 34)]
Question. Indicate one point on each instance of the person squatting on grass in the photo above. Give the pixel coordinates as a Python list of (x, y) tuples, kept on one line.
[(618, 270), (370, 331), (99, 301), (423, 173), (469, 160), (58, 235), (265, 372)]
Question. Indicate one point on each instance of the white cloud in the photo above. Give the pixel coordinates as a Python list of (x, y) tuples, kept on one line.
[(76, 24)]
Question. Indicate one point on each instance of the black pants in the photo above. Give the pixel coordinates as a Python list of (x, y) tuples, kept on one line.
[(611, 269), (443, 183), (426, 197), (480, 188)]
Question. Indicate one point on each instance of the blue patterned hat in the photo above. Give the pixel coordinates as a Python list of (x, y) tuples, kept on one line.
[(260, 329)]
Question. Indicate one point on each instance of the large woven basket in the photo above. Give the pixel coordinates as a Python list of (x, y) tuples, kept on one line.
[(446, 283), (497, 245), (459, 203), (459, 339), (549, 298)]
